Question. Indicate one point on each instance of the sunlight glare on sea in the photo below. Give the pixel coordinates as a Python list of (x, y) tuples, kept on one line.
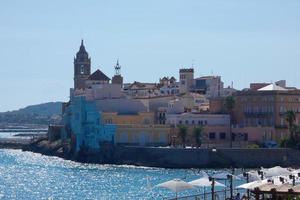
[(27, 175)]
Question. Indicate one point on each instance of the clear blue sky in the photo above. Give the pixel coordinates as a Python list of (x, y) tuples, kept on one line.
[(243, 41)]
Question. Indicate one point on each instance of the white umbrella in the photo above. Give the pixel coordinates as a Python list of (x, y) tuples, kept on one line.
[(204, 174), (276, 171), (253, 176), (176, 185), (253, 184), (205, 182), (224, 176), (295, 172)]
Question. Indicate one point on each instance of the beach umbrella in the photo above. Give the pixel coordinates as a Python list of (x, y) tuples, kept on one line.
[(203, 174), (205, 182), (296, 172), (253, 176), (224, 176), (176, 185), (252, 185), (276, 171)]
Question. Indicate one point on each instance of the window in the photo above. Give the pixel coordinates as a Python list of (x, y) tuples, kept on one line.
[(222, 136), (281, 121), (245, 136), (147, 121), (233, 136), (282, 109), (212, 136), (180, 122), (82, 69), (186, 122)]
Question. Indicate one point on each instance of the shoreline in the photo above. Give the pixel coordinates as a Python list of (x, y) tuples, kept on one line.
[(173, 158)]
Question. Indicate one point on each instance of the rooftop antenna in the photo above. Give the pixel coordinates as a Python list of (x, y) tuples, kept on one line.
[(118, 68), (231, 84)]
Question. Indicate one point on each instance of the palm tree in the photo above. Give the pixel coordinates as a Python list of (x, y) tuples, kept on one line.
[(197, 133), (182, 134), (290, 117), (229, 105)]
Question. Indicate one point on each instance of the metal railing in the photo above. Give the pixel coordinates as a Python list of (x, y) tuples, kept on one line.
[(219, 195)]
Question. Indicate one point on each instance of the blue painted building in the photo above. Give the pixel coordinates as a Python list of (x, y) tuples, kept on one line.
[(82, 121)]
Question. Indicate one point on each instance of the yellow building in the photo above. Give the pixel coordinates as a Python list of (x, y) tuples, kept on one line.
[(137, 129), (143, 135), (139, 118)]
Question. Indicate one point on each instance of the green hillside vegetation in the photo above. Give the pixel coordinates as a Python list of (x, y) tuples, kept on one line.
[(45, 113)]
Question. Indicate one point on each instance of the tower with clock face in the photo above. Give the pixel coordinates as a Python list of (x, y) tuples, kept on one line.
[(82, 67)]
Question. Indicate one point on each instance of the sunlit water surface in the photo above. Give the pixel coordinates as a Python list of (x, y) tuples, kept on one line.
[(26, 175)]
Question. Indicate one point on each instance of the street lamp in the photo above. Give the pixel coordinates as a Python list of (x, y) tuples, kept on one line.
[(230, 177), (246, 175), (212, 187)]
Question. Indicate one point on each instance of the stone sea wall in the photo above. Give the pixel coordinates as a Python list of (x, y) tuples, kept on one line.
[(207, 158), (175, 157)]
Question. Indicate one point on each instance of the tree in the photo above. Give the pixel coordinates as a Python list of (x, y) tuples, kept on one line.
[(182, 134), (197, 133), (229, 105), (290, 117)]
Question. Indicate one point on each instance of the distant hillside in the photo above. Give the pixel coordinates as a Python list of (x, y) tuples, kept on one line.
[(47, 109), (44, 113)]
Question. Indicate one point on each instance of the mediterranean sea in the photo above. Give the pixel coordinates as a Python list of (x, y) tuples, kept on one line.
[(26, 175)]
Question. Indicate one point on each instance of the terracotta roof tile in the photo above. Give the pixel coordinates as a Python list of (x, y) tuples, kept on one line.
[(98, 76)]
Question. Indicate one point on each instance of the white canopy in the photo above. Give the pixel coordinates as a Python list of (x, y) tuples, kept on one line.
[(296, 172), (276, 171), (224, 175), (204, 182), (176, 185), (253, 176), (252, 185)]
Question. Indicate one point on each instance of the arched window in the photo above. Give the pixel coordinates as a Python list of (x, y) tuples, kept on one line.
[(82, 69)]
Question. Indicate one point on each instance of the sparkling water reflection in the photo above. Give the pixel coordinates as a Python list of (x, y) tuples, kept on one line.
[(26, 175)]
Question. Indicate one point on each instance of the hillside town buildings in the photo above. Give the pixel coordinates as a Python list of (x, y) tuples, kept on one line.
[(105, 110)]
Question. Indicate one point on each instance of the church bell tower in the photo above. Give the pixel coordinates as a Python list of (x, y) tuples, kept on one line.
[(82, 67), (117, 78)]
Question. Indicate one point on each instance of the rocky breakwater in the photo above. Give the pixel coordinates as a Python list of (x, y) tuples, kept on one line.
[(43, 146), (13, 143), (64, 150)]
